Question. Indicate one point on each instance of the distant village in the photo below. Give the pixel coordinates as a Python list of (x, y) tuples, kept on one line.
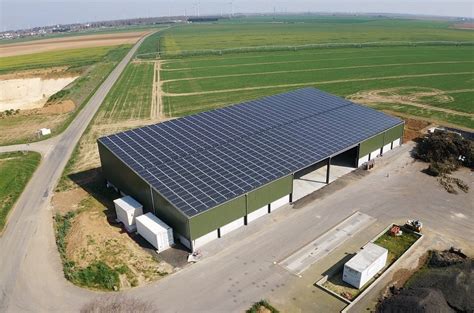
[(44, 31)]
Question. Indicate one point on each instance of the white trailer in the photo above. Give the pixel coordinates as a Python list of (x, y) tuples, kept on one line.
[(155, 231), (364, 265), (127, 209), (44, 132)]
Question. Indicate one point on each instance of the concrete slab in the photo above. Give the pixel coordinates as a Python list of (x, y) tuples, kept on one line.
[(315, 180), (299, 261)]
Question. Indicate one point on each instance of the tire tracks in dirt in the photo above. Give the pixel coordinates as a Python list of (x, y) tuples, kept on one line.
[(414, 98), (156, 102)]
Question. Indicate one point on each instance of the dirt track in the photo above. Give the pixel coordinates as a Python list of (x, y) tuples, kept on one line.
[(414, 98), (156, 103), (74, 42)]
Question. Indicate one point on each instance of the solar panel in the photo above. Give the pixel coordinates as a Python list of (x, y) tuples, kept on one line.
[(200, 161)]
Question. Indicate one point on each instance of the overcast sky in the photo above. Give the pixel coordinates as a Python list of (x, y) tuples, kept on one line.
[(17, 14)]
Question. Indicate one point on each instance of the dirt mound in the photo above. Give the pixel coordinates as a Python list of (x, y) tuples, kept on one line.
[(445, 285), (446, 258), (414, 128), (416, 301), (58, 108)]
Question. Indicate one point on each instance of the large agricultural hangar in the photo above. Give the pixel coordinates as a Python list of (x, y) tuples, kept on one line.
[(210, 173)]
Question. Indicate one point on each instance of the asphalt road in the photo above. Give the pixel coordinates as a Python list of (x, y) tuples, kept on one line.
[(28, 215)]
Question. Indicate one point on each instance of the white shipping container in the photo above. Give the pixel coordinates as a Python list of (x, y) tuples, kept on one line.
[(396, 143), (44, 131), (387, 147), (127, 209), (155, 231), (364, 265)]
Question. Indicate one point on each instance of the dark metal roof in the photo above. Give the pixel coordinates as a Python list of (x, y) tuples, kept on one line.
[(203, 160)]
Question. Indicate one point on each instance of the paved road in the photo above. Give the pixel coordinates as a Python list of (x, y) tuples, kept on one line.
[(28, 214)]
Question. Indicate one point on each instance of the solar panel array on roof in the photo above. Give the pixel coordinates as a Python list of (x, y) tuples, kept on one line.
[(203, 160)]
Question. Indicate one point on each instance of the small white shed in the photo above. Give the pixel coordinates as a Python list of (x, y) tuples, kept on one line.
[(364, 265), (44, 131), (127, 210), (155, 231)]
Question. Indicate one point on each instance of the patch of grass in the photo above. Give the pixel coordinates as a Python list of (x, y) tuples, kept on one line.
[(441, 117), (98, 275), (150, 46), (130, 98), (16, 169), (397, 245), (339, 286), (257, 307), (63, 225)]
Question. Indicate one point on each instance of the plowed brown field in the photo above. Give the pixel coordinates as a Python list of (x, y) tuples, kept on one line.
[(74, 42)]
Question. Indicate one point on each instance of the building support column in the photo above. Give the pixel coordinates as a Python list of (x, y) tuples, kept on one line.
[(328, 173), (356, 161)]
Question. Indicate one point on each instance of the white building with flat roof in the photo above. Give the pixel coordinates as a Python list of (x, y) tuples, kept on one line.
[(364, 265)]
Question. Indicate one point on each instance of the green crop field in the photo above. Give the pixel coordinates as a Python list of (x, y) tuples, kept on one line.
[(150, 46), (130, 98), (301, 30), (70, 58), (16, 169), (422, 81)]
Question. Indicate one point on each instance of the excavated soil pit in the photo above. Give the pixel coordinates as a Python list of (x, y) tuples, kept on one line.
[(30, 93)]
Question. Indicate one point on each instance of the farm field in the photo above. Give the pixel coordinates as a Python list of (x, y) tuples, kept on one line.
[(92, 65), (128, 105), (303, 30), (150, 46), (16, 169), (71, 58), (70, 42), (435, 83)]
